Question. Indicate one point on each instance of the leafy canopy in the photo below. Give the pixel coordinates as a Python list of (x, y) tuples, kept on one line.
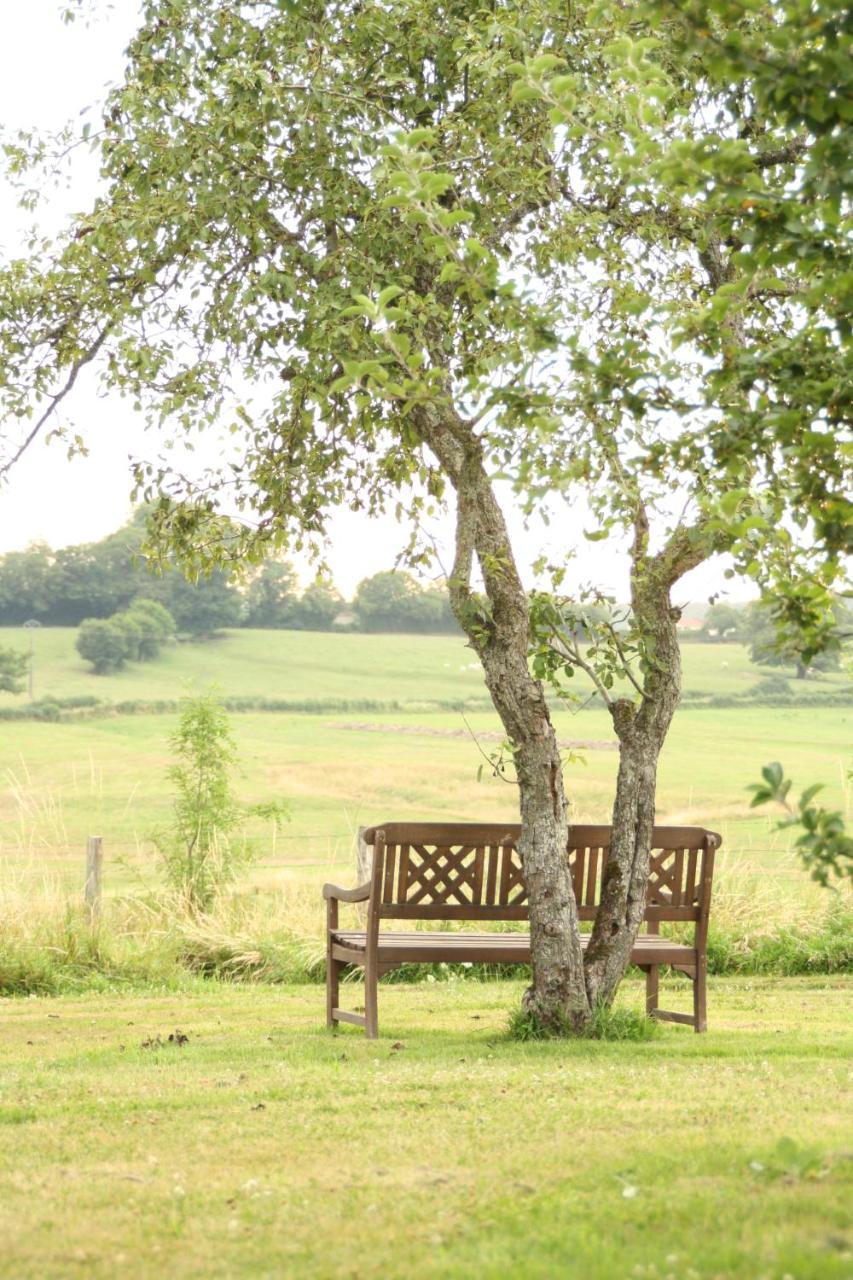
[(606, 241)]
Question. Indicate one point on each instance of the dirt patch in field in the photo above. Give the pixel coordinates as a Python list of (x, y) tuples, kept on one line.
[(430, 731)]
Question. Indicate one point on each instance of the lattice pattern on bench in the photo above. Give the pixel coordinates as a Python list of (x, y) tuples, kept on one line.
[(484, 875), (453, 875)]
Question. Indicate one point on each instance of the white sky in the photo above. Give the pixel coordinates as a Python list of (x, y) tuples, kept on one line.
[(50, 72)]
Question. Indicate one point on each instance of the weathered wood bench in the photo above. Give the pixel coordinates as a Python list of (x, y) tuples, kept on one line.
[(472, 872)]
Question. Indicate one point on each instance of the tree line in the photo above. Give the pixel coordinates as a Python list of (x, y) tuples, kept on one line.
[(100, 580)]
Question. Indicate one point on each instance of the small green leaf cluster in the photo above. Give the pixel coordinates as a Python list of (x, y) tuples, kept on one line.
[(587, 634), (824, 845)]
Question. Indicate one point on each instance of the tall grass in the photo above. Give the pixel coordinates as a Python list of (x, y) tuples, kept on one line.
[(50, 943)]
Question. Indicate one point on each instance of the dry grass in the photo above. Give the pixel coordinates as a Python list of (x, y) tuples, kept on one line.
[(50, 943)]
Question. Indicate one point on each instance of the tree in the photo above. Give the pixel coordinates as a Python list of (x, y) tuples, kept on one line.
[(13, 670), (597, 250), (133, 631), (198, 850), (155, 624), (395, 601), (770, 646), (25, 585), (722, 623), (199, 606), (380, 601), (317, 609), (104, 643), (271, 600)]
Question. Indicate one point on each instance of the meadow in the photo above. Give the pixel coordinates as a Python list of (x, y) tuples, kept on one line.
[(342, 769), (254, 1143), (262, 1146)]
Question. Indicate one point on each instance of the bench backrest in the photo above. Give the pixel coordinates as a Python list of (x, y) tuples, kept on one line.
[(472, 871)]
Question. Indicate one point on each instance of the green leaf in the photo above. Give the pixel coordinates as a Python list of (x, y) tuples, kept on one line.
[(388, 294), (773, 775)]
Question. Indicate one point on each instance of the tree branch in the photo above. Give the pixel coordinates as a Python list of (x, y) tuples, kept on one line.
[(55, 401)]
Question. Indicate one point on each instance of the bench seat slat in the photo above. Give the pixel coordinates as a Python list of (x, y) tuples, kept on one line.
[(487, 948)]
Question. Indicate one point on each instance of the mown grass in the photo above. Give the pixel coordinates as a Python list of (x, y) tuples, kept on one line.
[(265, 1147)]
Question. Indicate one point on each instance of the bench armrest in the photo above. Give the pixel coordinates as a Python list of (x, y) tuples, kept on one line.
[(361, 894)]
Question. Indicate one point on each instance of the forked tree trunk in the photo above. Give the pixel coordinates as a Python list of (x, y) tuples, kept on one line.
[(641, 731), (501, 638), (565, 984)]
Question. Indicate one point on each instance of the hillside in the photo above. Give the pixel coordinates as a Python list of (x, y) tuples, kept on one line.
[(302, 666)]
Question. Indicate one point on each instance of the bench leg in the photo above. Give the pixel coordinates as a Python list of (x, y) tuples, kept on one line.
[(700, 995), (333, 989), (651, 989), (371, 1001)]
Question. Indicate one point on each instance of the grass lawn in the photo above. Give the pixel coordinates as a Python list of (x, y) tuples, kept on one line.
[(265, 1147)]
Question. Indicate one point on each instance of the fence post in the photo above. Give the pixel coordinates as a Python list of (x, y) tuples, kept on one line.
[(363, 867), (94, 867)]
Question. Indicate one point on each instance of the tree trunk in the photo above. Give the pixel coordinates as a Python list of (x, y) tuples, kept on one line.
[(557, 993), (500, 635), (641, 731)]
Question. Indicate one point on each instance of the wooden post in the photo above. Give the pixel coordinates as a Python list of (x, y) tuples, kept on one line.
[(363, 868), (94, 867), (363, 858)]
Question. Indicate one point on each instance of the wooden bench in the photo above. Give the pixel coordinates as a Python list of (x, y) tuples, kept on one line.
[(471, 871)]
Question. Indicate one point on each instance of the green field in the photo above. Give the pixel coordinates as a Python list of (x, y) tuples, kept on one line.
[(296, 665), (338, 771), (266, 1147)]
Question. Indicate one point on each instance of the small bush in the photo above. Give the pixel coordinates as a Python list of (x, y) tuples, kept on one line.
[(103, 643), (774, 685), (198, 853)]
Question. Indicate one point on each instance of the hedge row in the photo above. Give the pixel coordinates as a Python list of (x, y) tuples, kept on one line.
[(86, 707)]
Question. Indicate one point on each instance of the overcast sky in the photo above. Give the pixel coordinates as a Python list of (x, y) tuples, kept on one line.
[(49, 73)]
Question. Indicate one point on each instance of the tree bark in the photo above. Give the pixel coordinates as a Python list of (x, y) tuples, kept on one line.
[(500, 635), (641, 729)]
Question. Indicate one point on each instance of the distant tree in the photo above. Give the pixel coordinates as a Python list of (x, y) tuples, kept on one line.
[(722, 623), (104, 643), (317, 609), (95, 579), (25, 585), (13, 670), (132, 631), (272, 598), (380, 599), (395, 601), (199, 608), (156, 626), (770, 646)]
